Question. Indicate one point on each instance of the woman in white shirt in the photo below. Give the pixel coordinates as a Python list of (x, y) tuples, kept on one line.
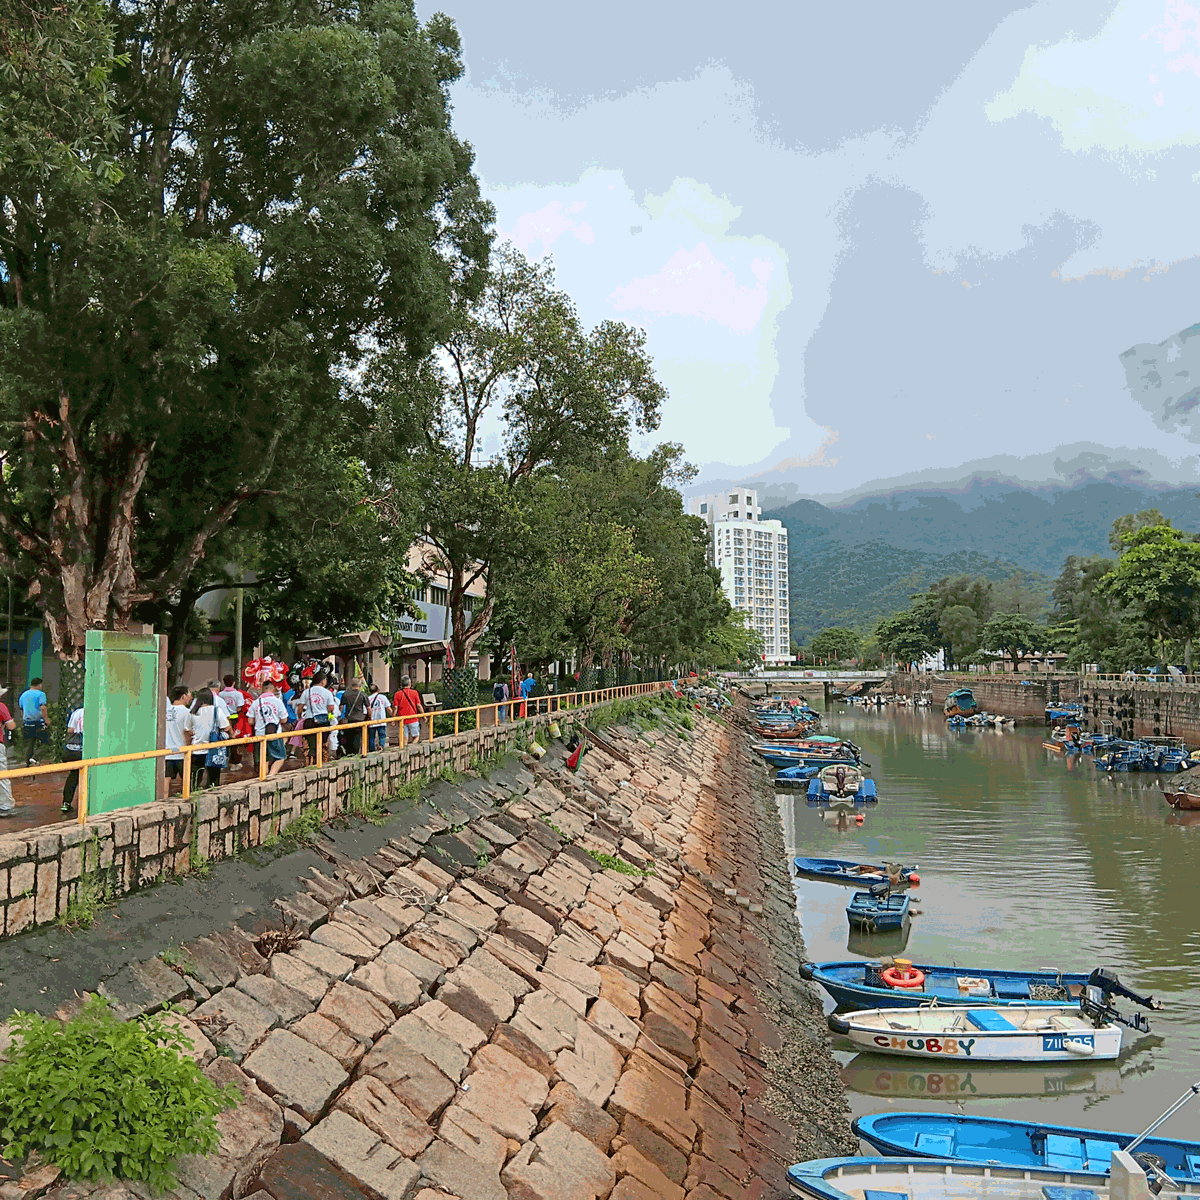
[(319, 705), (200, 727), (269, 716)]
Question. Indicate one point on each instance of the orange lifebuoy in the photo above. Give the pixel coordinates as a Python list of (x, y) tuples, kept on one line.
[(906, 978)]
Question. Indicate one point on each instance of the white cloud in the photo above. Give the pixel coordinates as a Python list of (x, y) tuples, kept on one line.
[(709, 299), (1132, 89)]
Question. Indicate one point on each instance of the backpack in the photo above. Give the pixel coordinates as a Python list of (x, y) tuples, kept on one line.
[(498, 692), (220, 756)]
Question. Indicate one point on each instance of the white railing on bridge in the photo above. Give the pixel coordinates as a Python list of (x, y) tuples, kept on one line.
[(801, 674)]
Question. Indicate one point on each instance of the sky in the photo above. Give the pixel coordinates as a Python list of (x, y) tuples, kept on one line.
[(865, 239)]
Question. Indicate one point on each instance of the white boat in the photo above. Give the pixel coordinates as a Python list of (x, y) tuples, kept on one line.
[(1035, 1034), (946, 1179)]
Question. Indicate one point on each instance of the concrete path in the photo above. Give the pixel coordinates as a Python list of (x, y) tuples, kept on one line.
[(481, 1007)]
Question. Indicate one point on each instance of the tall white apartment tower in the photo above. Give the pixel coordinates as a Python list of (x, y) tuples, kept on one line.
[(751, 555)]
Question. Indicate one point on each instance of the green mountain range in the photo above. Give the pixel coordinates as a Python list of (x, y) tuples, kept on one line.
[(851, 566)]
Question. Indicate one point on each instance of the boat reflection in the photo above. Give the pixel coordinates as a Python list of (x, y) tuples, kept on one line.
[(1177, 817), (875, 945), (882, 1075)]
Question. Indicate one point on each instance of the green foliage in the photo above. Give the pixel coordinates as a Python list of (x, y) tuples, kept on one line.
[(835, 643), (732, 642), (366, 804), (171, 298), (960, 628), (1014, 635), (614, 862), (1120, 537), (304, 830), (1157, 578), (104, 1098)]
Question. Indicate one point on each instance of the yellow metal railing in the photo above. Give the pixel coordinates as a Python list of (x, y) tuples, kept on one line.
[(555, 702)]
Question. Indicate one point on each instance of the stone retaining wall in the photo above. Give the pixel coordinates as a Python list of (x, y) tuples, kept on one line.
[(486, 1009), (42, 870)]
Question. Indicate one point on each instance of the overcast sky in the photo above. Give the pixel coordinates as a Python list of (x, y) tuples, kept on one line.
[(868, 237)]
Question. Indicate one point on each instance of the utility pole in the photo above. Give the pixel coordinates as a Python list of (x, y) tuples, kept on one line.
[(237, 640)]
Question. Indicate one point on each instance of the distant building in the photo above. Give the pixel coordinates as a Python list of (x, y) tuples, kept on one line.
[(751, 555)]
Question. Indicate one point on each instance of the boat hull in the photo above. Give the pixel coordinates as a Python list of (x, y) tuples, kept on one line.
[(852, 985), (991, 1140), (840, 870), (945, 1179), (1036, 1035), (874, 914)]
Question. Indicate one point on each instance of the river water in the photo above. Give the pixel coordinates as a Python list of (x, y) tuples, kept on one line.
[(1026, 860)]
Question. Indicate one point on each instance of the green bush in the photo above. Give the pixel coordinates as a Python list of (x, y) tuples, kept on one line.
[(103, 1098)]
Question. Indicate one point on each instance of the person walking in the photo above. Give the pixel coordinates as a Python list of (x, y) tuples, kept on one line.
[(269, 715), (319, 707), (72, 752), (500, 696), (235, 701), (176, 732), (380, 709), (7, 725), (526, 687), (34, 718), (354, 709), (206, 721), (409, 706)]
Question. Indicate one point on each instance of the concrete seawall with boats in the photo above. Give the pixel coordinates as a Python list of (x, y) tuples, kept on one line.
[(1135, 708)]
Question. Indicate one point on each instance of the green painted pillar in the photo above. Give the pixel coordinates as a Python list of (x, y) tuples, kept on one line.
[(121, 703)]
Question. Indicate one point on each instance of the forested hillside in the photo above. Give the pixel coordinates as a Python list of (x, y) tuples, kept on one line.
[(849, 567)]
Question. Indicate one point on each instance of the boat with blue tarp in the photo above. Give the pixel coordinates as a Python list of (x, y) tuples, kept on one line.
[(858, 984), (948, 1179), (993, 1140), (840, 870), (960, 703), (877, 910)]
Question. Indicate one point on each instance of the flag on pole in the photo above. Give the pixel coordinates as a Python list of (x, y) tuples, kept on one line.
[(449, 657)]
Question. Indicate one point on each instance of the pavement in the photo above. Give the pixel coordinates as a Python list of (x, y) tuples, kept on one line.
[(474, 1004)]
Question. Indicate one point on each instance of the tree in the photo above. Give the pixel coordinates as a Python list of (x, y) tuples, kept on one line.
[(1012, 634), (1158, 578), (907, 636), (1123, 528), (734, 642), (959, 626), (199, 232), (835, 643), (1024, 592), (561, 395)]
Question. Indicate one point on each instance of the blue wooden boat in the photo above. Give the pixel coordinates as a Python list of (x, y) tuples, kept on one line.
[(948, 1179), (840, 870), (842, 783), (859, 984), (993, 1141), (786, 776), (877, 910)]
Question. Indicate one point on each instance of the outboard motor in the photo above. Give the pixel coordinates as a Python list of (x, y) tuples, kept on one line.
[(840, 776)]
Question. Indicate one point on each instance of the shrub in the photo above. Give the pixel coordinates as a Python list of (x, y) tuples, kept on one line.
[(103, 1098)]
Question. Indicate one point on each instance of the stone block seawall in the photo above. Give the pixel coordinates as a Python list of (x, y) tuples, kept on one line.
[(1011, 695), (42, 870), (585, 987)]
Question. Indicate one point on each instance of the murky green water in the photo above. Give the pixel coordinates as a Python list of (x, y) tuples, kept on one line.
[(1026, 861)]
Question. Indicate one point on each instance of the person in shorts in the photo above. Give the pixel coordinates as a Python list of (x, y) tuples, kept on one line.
[(409, 706), (174, 740), (269, 715), (72, 752), (380, 709)]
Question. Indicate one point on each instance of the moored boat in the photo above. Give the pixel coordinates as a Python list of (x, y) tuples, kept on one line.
[(946, 1179), (960, 703), (841, 782), (840, 870), (982, 1033), (1181, 799), (857, 984), (992, 1140), (877, 910)]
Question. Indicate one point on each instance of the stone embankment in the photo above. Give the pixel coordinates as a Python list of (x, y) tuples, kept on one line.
[(503, 1003)]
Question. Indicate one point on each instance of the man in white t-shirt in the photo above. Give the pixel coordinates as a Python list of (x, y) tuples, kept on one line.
[(319, 706), (72, 752), (177, 715), (379, 707), (269, 714)]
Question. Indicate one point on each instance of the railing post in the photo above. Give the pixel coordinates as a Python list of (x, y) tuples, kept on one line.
[(262, 759), (456, 712), (187, 772), (320, 739), (81, 795)]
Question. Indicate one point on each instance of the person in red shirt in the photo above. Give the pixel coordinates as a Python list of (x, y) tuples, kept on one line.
[(408, 705)]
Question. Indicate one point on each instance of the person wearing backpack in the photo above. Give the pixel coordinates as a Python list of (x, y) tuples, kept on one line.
[(354, 709), (500, 695), (207, 722)]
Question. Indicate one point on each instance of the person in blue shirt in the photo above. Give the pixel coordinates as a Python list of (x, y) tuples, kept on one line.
[(526, 687), (33, 703)]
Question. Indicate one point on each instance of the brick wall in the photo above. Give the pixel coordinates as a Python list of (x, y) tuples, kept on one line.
[(42, 870), (1007, 695)]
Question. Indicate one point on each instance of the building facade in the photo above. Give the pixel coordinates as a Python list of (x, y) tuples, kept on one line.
[(752, 556)]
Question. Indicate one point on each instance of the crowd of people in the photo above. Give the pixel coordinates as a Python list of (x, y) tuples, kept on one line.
[(296, 710)]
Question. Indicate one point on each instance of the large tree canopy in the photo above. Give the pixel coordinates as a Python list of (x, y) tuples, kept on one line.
[(199, 233)]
